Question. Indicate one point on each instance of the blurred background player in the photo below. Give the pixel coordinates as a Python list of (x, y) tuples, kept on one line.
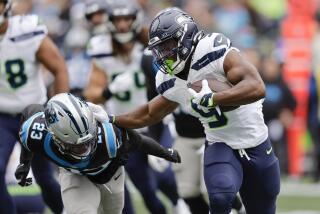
[(24, 45), (119, 54)]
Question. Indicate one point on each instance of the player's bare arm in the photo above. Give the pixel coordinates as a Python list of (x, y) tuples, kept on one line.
[(97, 83), (248, 85), (49, 55), (148, 114)]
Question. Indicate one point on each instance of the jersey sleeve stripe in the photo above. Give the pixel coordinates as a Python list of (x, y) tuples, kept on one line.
[(102, 55), (110, 139), (208, 58), (26, 36), (23, 134), (163, 87)]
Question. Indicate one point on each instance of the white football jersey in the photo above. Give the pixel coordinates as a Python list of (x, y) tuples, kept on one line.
[(100, 49), (241, 128), (21, 82)]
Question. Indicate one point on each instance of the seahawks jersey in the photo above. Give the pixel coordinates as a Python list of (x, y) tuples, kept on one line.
[(98, 167), (241, 128), (20, 80), (100, 49)]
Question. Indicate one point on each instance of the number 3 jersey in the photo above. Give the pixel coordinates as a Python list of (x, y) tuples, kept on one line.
[(20, 80), (241, 128), (99, 167), (101, 51)]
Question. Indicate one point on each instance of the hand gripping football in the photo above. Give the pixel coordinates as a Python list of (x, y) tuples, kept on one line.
[(216, 86)]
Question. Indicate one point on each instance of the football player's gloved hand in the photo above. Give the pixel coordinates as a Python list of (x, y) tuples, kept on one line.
[(98, 112), (173, 156), (158, 164), (21, 174), (204, 96)]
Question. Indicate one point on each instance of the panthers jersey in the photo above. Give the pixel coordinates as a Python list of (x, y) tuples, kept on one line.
[(241, 128), (100, 49), (98, 167), (20, 80)]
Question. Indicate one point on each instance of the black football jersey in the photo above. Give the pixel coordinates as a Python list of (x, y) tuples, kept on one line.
[(98, 167)]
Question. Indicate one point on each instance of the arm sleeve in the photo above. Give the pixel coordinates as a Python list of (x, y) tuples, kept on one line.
[(146, 144)]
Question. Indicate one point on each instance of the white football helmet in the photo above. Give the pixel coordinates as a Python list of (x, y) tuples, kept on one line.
[(118, 8), (72, 125)]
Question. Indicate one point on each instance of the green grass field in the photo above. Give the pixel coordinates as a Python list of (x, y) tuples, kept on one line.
[(295, 198)]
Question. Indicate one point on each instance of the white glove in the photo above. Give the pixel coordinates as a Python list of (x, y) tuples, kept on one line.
[(158, 164), (98, 112), (204, 97), (123, 82)]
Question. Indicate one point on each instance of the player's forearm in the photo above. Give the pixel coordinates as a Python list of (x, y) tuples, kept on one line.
[(244, 92), (61, 82), (25, 156), (147, 145), (136, 119)]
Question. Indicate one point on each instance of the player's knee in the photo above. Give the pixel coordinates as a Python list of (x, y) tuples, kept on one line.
[(221, 202)]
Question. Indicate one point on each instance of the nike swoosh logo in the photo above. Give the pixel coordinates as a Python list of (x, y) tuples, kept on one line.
[(269, 151), (220, 40), (116, 178)]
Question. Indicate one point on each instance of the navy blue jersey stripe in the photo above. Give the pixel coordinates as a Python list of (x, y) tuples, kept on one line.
[(166, 85), (208, 58), (26, 36), (102, 55)]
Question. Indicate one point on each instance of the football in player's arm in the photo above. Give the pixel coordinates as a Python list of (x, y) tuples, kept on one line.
[(78, 137), (237, 142)]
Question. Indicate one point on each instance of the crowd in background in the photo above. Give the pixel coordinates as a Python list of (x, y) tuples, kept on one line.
[(252, 25)]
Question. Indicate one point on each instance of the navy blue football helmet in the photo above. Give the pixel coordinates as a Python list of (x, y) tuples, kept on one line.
[(173, 35)]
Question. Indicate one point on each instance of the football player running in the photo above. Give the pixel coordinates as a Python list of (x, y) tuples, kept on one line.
[(90, 151), (238, 154), (24, 46), (117, 77)]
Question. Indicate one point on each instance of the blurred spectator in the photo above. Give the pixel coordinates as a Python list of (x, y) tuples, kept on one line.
[(278, 108), (232, 19)]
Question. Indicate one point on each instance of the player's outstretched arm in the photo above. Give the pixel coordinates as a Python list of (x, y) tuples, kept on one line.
[(147, 114), (150, 146), (49, 55), (26, 153), (247, 83)]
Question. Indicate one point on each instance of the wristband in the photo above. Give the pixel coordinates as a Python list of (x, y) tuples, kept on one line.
[(112, 118)]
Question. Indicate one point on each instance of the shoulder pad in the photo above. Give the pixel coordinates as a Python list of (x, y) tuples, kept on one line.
[(100, 46), (217, 41), (164, 82), (25, 27)]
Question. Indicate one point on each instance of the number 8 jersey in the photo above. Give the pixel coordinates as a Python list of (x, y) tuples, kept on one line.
[(241, 128), (21, 82)]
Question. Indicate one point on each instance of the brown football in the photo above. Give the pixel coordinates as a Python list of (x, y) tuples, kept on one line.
[(216, 86)]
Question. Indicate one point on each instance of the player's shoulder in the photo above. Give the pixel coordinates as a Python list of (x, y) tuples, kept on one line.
[(33, 129), (100, 46), (23, 27), (165, 82), (215, 41)]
